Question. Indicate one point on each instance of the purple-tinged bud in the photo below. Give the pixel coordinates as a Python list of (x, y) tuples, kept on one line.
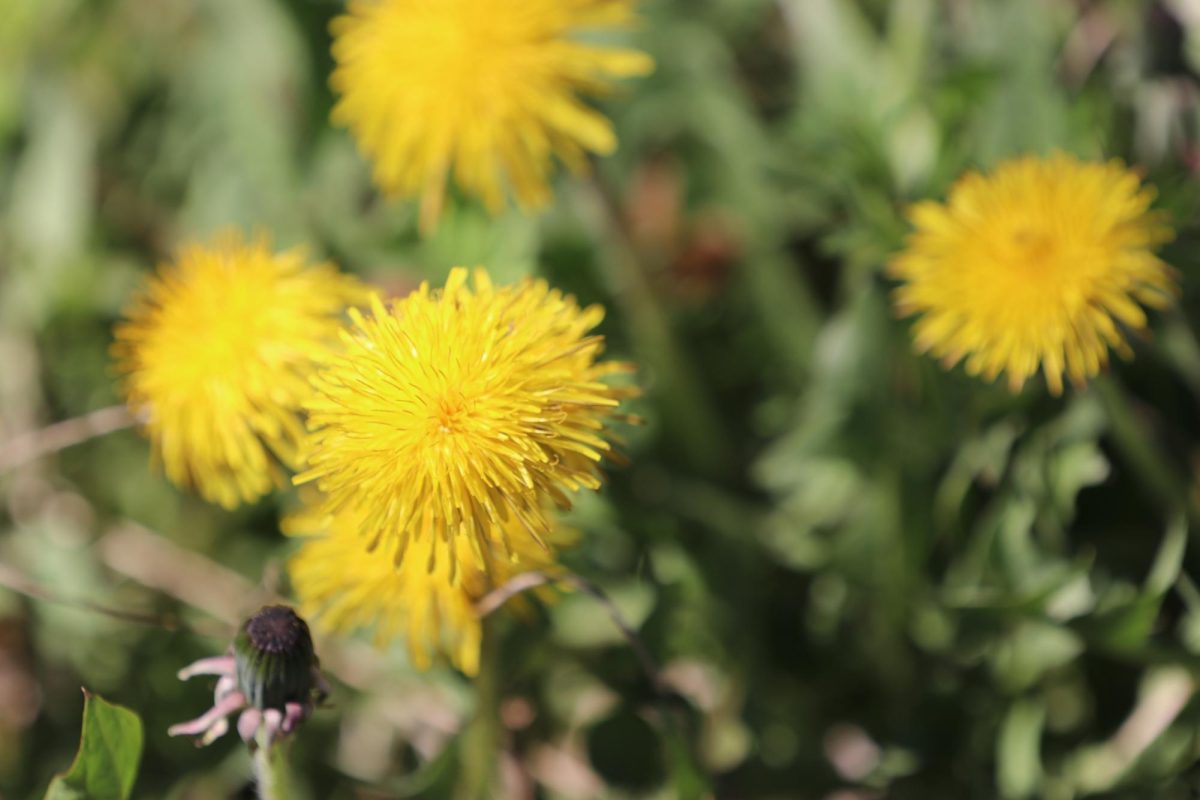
[(275, 659), (270, 675)]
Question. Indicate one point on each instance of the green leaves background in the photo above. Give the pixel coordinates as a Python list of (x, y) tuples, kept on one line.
[(859, 573)]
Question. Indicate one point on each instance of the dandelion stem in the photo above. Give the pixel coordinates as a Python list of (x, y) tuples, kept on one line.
[(481, 740), (271, 770), (28, 446)]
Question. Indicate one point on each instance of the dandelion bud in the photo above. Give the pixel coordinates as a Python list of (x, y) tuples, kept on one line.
[(270, 674), (275, 658)]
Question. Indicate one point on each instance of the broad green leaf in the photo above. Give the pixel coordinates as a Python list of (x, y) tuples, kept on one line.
[(110, 748)]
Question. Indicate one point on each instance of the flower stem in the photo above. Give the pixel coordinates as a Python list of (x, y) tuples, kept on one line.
[(481, 740), (271, 771)]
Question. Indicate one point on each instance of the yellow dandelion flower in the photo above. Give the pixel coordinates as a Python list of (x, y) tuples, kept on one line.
[(488, 88), (216, 352), (454, 413), (427, 600), (1039, 264)]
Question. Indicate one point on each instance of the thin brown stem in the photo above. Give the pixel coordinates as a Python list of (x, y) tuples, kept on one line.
[(690, 777), (31, 445), (155, 561), (531, 580), (502, 594), (14, 580)]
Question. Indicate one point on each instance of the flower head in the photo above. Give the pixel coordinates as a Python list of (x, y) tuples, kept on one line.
[(486, 88), (275, 658), (1039, 264), (270, 675), (426, 599), (455, 415), (216, 351)]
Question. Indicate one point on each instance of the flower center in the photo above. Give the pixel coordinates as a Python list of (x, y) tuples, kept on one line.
[(1038, 254), (233, 326), (276, 629), (1035, 242), (449, 412)]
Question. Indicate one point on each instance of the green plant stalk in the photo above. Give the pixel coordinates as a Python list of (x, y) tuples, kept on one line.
[(481, 740), (1159, 479), (271, 774), (691, 418)]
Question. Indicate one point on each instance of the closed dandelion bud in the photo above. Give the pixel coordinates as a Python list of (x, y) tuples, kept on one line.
[(275, 658), (269, 676)]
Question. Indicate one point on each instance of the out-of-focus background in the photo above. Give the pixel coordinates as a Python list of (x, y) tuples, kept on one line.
[(863, 577)]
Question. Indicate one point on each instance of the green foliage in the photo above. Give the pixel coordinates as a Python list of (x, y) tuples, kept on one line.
[(860, 572), (110, 747)]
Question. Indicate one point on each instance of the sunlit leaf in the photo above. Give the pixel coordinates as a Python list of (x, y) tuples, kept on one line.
[(110, 748)]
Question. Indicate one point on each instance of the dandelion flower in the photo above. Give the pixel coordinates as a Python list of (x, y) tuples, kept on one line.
[(1043, 263), (427, 601), (455, 413), (488, 88), (216, 352)]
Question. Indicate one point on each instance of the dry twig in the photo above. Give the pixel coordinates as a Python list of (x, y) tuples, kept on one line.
[(15, 581), (531, 580), (28, 446)]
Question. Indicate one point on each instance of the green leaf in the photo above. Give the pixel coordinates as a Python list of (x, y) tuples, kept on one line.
[(1018, 758), (110, 748), (1169, 561)]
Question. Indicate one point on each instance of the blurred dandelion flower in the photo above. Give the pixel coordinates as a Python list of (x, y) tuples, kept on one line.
[(1040, 263), (216, 352), (486, 88), (458, 413), (427, 601)]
